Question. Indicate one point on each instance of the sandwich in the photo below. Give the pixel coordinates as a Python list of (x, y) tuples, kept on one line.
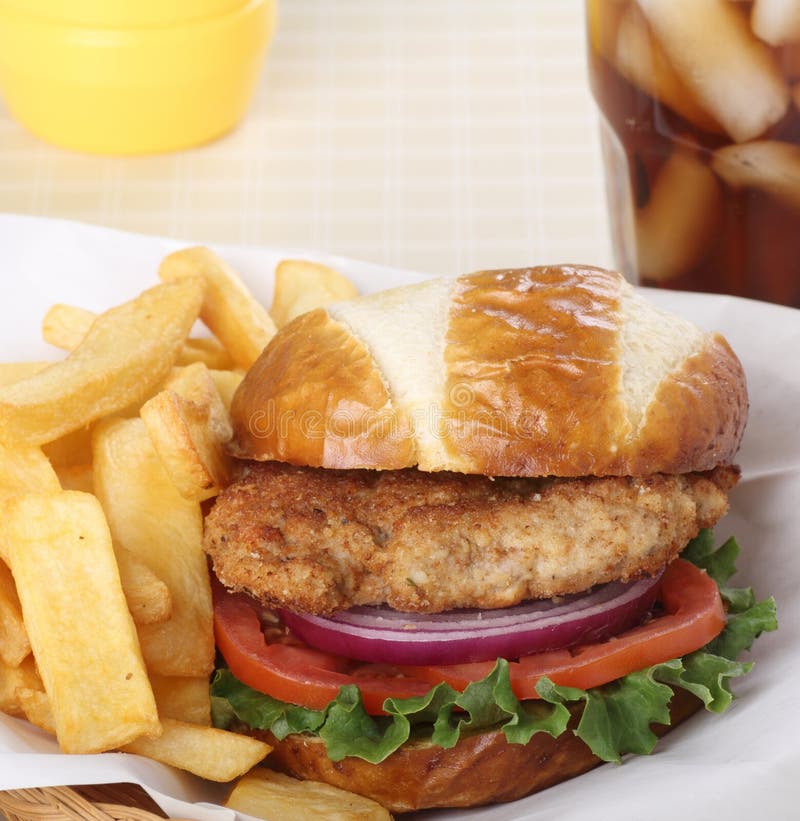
[(468, 551)]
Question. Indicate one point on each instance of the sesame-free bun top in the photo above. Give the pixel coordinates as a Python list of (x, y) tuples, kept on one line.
[(554, 370)]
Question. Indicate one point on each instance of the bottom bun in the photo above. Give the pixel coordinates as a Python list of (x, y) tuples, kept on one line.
[(481, 769)]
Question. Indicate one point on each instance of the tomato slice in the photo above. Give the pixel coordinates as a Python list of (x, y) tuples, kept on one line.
[(693, 615), (296, 673)]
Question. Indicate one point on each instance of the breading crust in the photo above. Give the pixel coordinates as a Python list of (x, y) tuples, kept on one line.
[(320, 541)]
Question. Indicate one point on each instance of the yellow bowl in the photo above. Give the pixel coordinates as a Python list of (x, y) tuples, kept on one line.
[(128, 13), (133, 90)]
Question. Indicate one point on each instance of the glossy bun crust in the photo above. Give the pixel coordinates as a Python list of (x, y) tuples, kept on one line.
[(481, 769), (560, 371)]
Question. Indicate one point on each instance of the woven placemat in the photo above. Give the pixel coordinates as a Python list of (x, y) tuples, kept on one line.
[(97, 802)]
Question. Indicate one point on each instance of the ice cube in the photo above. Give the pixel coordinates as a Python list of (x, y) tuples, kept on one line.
[(680, 219), (733, 75), (768, 165), (602, 19), (640, 60), (777, 22)]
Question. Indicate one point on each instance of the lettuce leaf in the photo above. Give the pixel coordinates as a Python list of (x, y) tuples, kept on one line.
[(347, 729), (747, 618), (231, 700), (615, 719), (705, 675), (719, 562)]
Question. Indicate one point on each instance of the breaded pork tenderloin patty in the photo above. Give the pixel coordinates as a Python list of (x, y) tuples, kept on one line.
[(321, 541)]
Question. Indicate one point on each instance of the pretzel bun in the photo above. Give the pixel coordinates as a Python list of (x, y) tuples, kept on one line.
[(556, 370), (481, 769)]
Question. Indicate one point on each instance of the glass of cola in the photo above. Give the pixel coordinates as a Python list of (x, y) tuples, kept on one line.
[(700, 131)]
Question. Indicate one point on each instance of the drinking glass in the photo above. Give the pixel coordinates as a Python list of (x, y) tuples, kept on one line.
[(700, 132)]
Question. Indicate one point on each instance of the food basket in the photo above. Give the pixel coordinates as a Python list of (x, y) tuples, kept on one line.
[(98, 802)]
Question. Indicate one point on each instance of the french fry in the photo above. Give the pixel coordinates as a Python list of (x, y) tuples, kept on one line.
[(72, 449), (227, 382), (205, 349), (83, 637), (36, 708), (11, 372), (240, 323), (13, 679), (22, 469), (150, 518), (26, 468), (267, 794), (183, 698), (14, 643), (217, 755), (189, 425), (76, 477), (302, 286), (196, 384), (149, 600), (128, 350), (193, 457), (65, 326)]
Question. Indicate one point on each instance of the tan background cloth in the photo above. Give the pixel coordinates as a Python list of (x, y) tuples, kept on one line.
[(441, 136)]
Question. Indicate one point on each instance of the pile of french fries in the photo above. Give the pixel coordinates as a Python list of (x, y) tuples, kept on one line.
[(106, 455)]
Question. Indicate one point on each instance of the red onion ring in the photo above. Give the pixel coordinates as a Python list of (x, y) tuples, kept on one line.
[(382, 635)]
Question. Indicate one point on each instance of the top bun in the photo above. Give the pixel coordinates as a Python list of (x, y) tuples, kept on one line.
[(548, 371)]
